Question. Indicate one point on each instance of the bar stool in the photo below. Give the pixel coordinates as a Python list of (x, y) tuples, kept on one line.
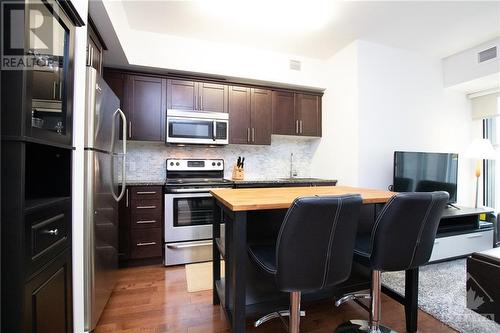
[(313, 251), (402, 238)]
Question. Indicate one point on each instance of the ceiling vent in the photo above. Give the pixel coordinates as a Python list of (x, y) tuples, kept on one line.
[(488, 54), (295, 65)]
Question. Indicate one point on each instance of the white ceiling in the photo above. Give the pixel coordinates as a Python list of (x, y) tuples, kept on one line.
[(433, 28)]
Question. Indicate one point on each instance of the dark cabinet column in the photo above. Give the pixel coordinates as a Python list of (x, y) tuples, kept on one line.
[(146, 108), (308, 113), (284, 122), (239, 115), (261, 116), (212, 97), (182, 95)]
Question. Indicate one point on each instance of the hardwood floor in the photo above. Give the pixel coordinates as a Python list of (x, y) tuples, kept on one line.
[(154, 299)]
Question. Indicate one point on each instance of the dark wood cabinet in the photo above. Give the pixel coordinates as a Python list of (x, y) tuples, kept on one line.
[(36, 149), (284, 113), (254, 113), (250, 115), (48, 298), (95, 47), (296, 113), (141, 225), (213, 97), (239, 115), (182, 95), (308, 114), (145, 108), (196, 96), (261, 116)]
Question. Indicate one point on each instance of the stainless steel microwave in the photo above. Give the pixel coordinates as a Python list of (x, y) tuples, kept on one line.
[(188, 127)]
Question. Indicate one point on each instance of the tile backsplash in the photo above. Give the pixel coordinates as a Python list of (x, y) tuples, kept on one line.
[(146, 160)]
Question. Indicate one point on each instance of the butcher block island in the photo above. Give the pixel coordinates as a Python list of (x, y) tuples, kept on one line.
[(255, 215), (281, 198)]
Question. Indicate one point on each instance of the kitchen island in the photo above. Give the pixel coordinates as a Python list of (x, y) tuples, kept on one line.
[(241, 291)]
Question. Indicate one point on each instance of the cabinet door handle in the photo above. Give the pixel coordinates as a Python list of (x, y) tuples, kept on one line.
[(248, 134), (253, 134), (296, 127), (196, 102), (145, 192), (53, 232), (130, 129), (126, 198), (145, 207), (201, 102), (301, 126), (146, 243), (146, 222)]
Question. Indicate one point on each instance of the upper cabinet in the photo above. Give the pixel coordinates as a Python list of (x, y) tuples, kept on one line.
[(296, 114), (284, 113), (37, 100), (254, 113), (196, 96), (308, 114), (250, 115), (143, 100), (95, 47), (145, 108)]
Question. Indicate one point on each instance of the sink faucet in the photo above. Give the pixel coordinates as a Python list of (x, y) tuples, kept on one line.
[(292, 172)]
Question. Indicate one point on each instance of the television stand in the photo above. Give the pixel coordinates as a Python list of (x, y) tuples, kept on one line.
[(461, 233), (452, 205)]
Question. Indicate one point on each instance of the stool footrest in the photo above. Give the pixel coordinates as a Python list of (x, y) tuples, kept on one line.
[(273, 315), (353, 296)]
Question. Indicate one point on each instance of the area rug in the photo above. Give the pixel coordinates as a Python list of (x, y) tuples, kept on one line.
[(442, 294), (199, 276)]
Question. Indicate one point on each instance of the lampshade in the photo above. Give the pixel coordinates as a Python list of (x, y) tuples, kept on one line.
[(481, 149)]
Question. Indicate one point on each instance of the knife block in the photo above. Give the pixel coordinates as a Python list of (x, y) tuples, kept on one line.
[(238, 173)]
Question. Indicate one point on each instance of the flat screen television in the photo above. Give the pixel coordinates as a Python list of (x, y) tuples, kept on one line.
[(426, 172)]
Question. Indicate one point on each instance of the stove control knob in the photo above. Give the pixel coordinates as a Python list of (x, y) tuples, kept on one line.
[(177, 164), (172, 163), (213, 163), (218, 163)]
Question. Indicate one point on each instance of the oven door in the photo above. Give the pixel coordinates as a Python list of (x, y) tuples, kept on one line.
[(188, 216)]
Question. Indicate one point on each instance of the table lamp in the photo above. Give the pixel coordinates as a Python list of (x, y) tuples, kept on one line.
[(479, 150)]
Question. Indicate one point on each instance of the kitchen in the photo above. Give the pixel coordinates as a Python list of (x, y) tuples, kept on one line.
[(138, 148)]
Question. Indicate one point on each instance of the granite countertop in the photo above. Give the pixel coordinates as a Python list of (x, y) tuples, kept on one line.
[(145, 182), (285, 180)]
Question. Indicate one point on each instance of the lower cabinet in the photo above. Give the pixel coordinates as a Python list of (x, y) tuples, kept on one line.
[(141, 225), (48, 298)]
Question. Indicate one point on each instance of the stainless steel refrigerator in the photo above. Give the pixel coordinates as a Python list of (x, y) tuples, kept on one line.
[(104, 152)]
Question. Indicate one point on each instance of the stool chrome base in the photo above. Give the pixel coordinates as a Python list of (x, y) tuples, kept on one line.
[(361, 326), (273, 315)]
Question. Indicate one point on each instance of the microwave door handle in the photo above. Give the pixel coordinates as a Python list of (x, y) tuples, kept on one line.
[(112, 149), (214, 130)]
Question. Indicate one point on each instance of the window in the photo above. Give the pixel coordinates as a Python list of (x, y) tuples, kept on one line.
[(491, 183)]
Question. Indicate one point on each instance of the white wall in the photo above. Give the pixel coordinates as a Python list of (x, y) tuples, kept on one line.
[(336, 154), (403, 106), (78, 138), (184, 54)]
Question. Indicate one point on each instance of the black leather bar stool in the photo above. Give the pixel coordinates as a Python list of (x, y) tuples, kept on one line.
[(313, 251), (402, 238)]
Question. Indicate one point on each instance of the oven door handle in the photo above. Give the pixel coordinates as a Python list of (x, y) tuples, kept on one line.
[(183, 246), (191, 190)]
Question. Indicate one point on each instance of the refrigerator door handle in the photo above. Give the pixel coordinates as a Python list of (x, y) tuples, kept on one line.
[(112, 149)]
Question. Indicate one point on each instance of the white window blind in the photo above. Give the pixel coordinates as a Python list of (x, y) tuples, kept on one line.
[(485, 106)]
